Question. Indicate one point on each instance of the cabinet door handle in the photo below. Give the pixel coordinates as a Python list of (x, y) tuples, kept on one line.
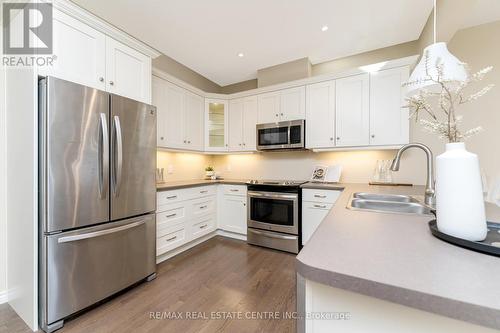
[(203, 226), (319, 196), (171, 238), (277, 115), (161, 138), (111, 83), (171, 215), (204, 191), (203, 207), (338, 138), (244, 144), (185, 141), (319, 206), (189, 141), (373, 136), (281, 113), (172, 197), (331, 139), (234, 190), (101, 79)]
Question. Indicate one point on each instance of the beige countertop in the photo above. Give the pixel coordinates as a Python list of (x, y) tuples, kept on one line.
[(394, 257), (173, 185)]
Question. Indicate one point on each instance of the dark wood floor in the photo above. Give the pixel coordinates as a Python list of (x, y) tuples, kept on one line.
[(221, 275)]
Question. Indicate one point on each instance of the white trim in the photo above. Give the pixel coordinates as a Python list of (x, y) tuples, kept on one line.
[(95, 22), (391, 147), (4, 296), (185, 247), (406, 61)]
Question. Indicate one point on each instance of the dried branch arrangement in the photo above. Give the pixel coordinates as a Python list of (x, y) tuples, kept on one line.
[(444, 121)]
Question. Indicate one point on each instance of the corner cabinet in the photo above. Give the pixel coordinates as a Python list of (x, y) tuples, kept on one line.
[(232, 208), (282, 105), (216, 125), (242, 124), (87, 56), (180, 120)]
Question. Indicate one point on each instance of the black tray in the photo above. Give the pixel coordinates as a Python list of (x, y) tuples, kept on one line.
[(484, 246)]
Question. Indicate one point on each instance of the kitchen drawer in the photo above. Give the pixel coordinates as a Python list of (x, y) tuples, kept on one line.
[(202, 191), (328, 196), (172, 238), (203, 206), (203, 226), (171, 215), (235, 189), (168, 197)]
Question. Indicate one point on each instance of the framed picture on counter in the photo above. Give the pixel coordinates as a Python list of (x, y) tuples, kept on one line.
[(319, 173)]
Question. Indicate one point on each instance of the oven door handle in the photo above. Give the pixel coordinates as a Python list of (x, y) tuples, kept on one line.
[(271, 195), (266, 234)]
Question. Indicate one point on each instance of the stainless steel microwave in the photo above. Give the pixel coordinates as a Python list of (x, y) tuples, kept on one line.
[(281, 135)]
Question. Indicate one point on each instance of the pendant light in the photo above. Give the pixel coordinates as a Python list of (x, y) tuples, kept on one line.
[(453, 69)]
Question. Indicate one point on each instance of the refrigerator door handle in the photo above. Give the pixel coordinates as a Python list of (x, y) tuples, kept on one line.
[(103, 157), (118, 156), (94, 234)]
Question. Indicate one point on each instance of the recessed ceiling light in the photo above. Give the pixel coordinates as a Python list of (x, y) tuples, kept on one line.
[(324, 28), (241, 55)]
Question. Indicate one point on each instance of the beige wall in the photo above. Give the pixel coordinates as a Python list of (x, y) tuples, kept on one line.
[(172, 67), (289, 71), (240, 86), (366, 58), (185, 165)]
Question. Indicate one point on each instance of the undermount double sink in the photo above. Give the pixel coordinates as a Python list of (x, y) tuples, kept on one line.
[(388, 203)]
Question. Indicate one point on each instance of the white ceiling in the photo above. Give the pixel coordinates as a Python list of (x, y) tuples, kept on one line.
[(207, 35)]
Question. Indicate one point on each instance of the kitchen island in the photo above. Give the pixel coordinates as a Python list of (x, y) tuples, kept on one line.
[(387, 273)]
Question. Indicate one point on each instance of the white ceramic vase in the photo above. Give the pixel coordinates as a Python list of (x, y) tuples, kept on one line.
[(459, 194)]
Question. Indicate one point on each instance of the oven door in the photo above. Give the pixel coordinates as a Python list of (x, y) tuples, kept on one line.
[(274, 211)]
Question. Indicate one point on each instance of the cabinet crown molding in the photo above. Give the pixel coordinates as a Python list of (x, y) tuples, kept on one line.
[(101, 25)]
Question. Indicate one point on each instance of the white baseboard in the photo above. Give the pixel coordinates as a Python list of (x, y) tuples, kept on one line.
[(229, 234), (200, 240), (4, 296)]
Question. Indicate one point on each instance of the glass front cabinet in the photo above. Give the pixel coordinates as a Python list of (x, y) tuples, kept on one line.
[(216, 120)]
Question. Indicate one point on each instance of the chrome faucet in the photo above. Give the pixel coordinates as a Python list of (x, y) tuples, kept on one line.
[(429, 198)]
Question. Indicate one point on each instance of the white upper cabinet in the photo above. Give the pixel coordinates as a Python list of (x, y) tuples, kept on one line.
[(320, 115), (180, 116), (128, 72), (269, 107), (194, 121), (80, 52), (242, 124), (389, 123), (87, 56), (352, 111), (216, 129), (235, 137), (293, 104), (250, 114), (282, 105)]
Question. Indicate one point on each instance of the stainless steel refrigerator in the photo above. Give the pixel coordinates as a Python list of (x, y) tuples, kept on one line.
[(97, 195)]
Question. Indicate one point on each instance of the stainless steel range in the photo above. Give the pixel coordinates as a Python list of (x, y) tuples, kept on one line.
[(274, 214)]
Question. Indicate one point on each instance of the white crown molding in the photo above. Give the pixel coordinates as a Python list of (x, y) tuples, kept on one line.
[(406, 61), (97, 23)]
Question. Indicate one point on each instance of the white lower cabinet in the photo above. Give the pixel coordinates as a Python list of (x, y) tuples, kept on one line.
[(183, 215), (315, 206), (233, 208)]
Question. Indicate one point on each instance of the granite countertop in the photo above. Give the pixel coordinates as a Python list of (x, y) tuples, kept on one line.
[(197, 182), (394, 257)]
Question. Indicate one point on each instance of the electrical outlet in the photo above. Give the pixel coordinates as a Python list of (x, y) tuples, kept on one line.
[(170, 169)]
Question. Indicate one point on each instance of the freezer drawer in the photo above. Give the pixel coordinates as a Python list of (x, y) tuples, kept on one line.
[(85, 266)]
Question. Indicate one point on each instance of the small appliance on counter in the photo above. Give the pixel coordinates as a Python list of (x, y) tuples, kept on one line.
[(274, 214), (324, 174)]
